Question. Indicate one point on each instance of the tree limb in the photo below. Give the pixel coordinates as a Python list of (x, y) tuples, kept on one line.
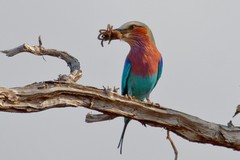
[(54, 94), (72, 62), (65, 93)]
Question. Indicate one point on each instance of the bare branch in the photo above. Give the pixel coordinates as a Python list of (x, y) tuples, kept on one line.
[(72, 62), (172, 144), (64, 93), (54, 94)]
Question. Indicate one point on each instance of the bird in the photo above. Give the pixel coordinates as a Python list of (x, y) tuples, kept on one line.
[(143, 64)]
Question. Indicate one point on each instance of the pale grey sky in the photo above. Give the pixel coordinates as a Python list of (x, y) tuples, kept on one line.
[(199, 41)]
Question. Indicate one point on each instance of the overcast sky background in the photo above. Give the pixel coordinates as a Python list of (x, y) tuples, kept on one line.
[(199, 42)]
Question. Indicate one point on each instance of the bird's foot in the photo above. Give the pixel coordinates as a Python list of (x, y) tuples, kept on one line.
[(152, 103), (130, 97), (149, 101)]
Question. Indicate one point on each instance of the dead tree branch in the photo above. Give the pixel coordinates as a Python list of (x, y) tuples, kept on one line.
[(64, 93), (54, 94), (72, 62)]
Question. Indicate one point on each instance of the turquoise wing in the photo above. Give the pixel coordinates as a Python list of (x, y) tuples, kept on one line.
[(160, 66), (125, 75)]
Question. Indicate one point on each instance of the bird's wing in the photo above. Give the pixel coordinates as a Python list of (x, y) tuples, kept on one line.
[(160, 66), (125, 75)]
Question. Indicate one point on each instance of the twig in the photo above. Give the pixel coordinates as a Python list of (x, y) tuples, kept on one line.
[(172, 144), (40, 46), (40, 41), (237, 111)]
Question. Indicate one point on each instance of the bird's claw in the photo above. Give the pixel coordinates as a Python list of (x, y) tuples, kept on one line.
[(129, 97), (149, 101), (152, 103)]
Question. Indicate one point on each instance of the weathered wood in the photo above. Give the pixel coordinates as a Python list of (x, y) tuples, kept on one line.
[(72, 62), (53, 94), (66, 93)]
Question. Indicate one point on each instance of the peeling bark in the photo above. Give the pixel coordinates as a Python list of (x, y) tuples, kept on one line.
[(53, 94), (65, 92)]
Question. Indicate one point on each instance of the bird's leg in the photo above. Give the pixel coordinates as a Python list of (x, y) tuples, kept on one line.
[(127, 96), (151, 102), (148, 100)]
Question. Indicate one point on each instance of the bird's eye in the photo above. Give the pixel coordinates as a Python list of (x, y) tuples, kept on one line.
[(132, 27)]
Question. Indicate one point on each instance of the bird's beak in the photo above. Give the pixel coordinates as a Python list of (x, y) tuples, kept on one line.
[(122, 33), (110, 34), (117, 34)]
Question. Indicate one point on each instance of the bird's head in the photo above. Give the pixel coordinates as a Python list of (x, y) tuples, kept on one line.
[(134, 33)]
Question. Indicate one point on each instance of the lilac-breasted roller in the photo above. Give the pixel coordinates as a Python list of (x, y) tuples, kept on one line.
[(143, 64)]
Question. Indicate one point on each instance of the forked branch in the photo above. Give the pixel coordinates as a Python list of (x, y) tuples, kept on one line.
[(72, 62), (63, 93)]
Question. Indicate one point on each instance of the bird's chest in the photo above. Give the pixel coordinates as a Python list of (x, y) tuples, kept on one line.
[(144, 65), (143, 73)]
